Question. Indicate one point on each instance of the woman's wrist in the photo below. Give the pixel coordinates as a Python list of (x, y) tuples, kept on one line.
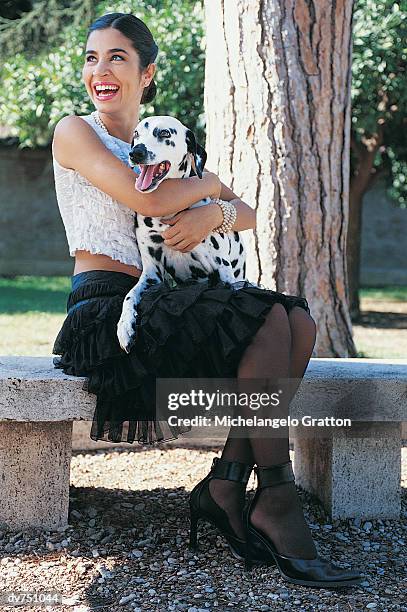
[(229, 215), (217, 215), (215, 185)]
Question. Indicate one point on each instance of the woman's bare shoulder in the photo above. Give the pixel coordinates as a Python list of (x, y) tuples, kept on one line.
[(69, 132), (77, 146)]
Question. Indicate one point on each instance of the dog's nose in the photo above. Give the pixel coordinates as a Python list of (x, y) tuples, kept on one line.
[(138, 153)]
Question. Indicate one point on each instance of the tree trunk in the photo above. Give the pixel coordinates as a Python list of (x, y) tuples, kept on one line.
[(277, 103), (353, 252)]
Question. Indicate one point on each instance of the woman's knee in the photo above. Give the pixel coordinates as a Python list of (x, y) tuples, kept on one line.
[(276, 324), (303, 326)]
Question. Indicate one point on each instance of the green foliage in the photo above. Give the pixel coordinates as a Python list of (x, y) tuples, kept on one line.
[(379, 91), (45, 22), (41, 77), (40, 88)]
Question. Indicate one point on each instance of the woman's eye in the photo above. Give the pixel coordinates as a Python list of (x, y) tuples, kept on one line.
[(165, 134), (89, 56), (119, 56)]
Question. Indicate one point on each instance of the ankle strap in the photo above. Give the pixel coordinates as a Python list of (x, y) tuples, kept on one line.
[(231, 470), (274, 475)]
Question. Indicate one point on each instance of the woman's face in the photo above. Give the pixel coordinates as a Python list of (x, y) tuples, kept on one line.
[(111, 71)]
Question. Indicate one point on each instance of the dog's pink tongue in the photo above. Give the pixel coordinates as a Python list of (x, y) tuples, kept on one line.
[(146, 176)]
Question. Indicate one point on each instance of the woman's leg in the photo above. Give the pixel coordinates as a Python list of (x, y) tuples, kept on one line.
[(281, 348)]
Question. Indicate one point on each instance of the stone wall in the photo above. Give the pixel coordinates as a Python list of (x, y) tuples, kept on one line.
[(384, 241), (32, 237)]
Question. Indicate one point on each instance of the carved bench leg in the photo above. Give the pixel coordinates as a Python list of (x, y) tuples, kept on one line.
[(34, 474), (353, 476)]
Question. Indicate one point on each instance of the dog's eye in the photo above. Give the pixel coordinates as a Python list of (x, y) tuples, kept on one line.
[(165, 133)]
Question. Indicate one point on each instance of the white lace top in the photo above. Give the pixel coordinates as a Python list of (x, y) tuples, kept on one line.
[(93, 220)]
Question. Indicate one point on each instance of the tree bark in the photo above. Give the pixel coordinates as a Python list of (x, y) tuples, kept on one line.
[(277, 104)]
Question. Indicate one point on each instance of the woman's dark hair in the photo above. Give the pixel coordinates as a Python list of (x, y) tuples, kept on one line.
[(141, 38)]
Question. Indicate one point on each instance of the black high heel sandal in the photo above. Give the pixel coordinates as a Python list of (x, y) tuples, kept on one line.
[(317, 572), (203, 506)]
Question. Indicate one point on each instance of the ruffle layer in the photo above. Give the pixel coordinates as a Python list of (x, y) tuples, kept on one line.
[(194, 329)]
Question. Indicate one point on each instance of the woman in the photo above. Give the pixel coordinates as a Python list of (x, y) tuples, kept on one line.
[(193, 330)]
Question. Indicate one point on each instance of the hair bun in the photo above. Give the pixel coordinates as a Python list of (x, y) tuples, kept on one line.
[(149, 93)]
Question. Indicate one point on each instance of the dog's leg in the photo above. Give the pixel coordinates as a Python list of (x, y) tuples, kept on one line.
[(126, 327)]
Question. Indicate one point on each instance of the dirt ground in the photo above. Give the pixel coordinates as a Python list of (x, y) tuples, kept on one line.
[(382, 331)]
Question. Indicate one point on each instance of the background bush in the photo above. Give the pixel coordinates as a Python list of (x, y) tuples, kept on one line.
[(43, 84)]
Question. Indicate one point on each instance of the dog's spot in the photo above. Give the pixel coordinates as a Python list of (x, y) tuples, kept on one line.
[(172, 143), (152, 281), (225, 262), (156, 238), (197, 272), (127, 298), (156, 131), (213, 276), (167, 142), (173, 130), (218, 260), (146, 124), (183, 164), (194, 257), (244, 269), (160, 276), (222, 235), (135, 222), (156, 253), (241, 249), (170, 269), (236, 273), (214, 242), (148, 221), (236, 234), (234, 262)]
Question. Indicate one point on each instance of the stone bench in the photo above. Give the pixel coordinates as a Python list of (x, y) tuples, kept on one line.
[(355, 472)]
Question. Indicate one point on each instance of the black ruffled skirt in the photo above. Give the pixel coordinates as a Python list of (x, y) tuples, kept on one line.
[(194, 330)]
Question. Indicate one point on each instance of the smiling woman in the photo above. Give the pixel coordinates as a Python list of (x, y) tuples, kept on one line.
[(194, 329)]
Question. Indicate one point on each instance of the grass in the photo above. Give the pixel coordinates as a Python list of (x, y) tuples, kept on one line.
[(388, 294), (382, 331), (33, 308)]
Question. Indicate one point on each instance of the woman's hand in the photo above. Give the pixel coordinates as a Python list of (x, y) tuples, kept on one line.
[(189, 227)]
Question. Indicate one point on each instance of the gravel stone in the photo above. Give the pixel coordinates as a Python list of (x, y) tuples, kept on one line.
[(126, 546)]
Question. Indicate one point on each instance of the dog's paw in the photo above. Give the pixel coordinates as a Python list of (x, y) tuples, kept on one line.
[(126, 330)]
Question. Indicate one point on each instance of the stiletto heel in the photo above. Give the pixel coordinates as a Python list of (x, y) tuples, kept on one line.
[(203, 506), (317, 572)]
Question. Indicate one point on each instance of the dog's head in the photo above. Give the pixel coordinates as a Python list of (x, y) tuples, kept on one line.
[(164, 148)]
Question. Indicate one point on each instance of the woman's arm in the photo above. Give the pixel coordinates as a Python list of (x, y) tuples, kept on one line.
[(77, 146), (246, 215), (190, 227)]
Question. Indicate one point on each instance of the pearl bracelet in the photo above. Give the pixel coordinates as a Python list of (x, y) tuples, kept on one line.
[(229, 216)]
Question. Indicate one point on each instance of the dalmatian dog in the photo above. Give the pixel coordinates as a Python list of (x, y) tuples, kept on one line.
[(164, 148)]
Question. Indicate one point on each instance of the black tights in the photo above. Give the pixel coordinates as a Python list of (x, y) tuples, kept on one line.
[(281, 348)]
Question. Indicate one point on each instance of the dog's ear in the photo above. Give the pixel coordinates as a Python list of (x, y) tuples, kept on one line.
[(198, 153)]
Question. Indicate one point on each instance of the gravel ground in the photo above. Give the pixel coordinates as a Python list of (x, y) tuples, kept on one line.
[(126, 547)]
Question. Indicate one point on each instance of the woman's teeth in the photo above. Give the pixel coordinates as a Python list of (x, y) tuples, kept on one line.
[(106, 91)]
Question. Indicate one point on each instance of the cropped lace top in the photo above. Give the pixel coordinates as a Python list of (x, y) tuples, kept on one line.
[(93, 220)]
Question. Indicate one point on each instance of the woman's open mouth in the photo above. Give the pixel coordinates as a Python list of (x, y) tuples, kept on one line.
[(151, 174), (105, 91)]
